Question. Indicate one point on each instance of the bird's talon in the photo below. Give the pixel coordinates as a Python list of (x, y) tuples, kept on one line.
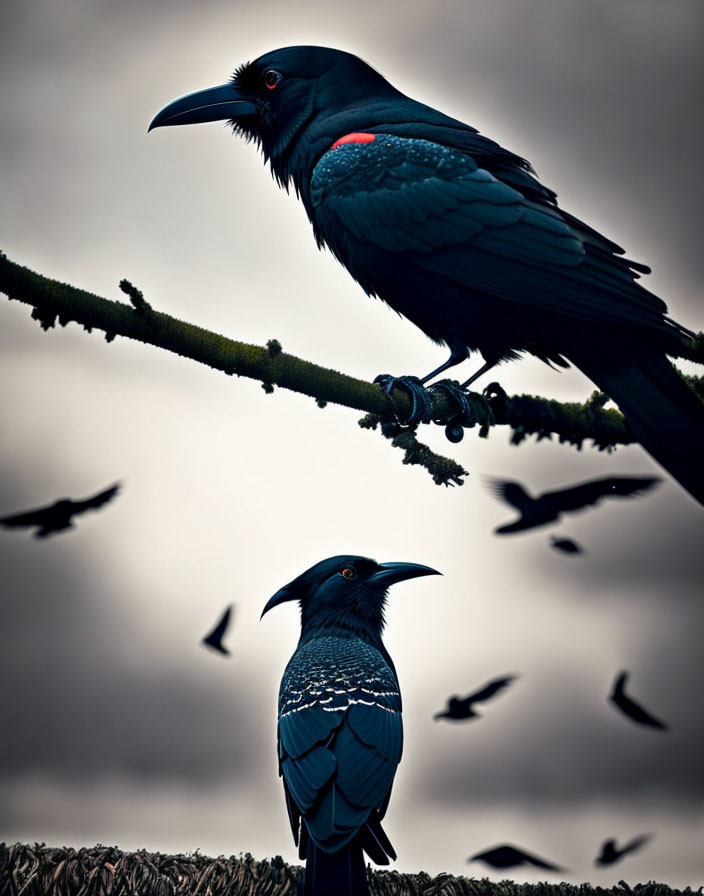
[(420, 398), (464, 415)]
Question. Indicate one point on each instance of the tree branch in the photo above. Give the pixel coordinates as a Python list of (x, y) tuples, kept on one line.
[(53, 301), (107, 871)]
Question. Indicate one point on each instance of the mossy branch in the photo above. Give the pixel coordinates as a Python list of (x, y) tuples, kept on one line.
[(54, 302), (40, 870)]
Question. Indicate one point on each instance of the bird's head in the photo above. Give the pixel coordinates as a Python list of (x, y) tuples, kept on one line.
[(345, 592), (281, 95)]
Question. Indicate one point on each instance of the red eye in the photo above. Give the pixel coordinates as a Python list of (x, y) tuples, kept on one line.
[(271, 78), (349, 573)]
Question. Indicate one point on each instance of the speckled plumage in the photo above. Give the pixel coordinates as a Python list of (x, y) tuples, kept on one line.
[(340, 734), (457, 234)]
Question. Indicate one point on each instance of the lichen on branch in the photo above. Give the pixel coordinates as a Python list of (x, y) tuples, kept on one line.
[(526, 415)]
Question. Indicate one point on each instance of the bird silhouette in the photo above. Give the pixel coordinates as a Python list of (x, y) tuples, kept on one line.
[(548, 507), (510, 857), (214, 638), (611, 853), (58, 516), (460, 708), (629, 707), (457, 234), (339, 730), (566, 545)]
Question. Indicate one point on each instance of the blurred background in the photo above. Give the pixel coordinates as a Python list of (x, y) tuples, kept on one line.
[(118, 727)]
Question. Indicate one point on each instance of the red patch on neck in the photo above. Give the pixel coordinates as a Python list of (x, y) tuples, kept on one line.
[(354, 138)]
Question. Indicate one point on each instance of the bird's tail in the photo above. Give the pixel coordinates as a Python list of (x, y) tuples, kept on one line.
[(340, 873), (665, 415)]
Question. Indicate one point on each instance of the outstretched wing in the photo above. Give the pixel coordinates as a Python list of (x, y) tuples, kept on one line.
[(34, 517), (340, 738), (512, 493), (588, 493), (97, 500), (491, 689), (457, 220), (635, 844)]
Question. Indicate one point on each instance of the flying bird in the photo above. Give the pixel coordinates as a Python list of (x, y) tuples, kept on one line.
[(566, 545), (629, 707), (459, 708), (611, 853), (510, 857), (548, 507), (457, 234), (339, 729), (58, 516), (214, 638)]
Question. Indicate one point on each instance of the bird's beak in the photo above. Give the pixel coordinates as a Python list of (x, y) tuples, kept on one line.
[(390, 573), (282, 595), (213, 104)]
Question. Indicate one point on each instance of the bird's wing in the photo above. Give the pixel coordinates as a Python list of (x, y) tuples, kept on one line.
[(338, 749), (512, 493), (637, 712), (492, 688), (221, 627), (34, 517), (448, 216), (635, 844), (96, 500), (580, 496), (629, 707)]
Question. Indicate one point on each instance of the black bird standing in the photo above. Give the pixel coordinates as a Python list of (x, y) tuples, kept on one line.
[(339, 731), (629, 707), (456, 233), (58, 516), (460, 708), (510, 857), (611, 853), (214, 638), (548, 506)]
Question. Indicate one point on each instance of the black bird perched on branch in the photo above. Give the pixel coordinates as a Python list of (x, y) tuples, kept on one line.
[(58, 516), (510, 857), (214, 638), (456, 233), (611, 853), (629, 707), (546, 508), (339, 731), (459, 708)]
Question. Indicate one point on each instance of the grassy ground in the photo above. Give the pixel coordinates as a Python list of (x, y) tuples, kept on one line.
[(41, 870)]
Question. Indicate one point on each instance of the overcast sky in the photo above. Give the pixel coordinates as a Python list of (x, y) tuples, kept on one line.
[(119, 728)]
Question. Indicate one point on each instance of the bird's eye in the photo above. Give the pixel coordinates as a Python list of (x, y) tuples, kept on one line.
[(349, 573), (272, 78)]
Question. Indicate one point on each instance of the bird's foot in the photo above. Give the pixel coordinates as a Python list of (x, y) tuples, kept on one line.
[(420, 398), (468, 408)]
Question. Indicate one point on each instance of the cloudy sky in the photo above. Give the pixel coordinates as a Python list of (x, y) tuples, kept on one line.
[(118, 727)]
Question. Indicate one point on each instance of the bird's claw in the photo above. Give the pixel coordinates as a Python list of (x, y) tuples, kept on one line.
[(420, 398), (465, 415)]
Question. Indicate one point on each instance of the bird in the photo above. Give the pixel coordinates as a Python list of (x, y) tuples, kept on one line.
[(459, 708), (611, 853), (566, 545), (58, 516), (214, 638), (339, 720), (548, 506), (629, 707), (458, 235), (510, 857)]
